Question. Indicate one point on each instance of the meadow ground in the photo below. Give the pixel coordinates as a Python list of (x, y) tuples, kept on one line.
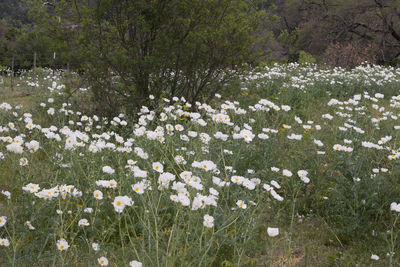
[(290, 166)]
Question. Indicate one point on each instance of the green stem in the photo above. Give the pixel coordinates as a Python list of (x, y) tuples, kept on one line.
[(289, 252), (392, 241), (170, 235)]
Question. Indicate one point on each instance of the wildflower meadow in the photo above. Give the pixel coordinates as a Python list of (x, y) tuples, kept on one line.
[(290, 165)]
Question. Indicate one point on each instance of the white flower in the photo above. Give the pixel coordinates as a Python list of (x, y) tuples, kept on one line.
[(222, 136), (158, 167), (23, 162), (88, 210), (394, 207), (179, 127), (180, 160), (50, 111), (272, 232), (15, 147), (32, 146), (3, 220), (206, 165), (286, 173), (6, 193), (62, 244), (318, 142), (327, 116), (237, 179), (30, 226), (135, 264), (107, 184), (248, 184), (137, 172), (4, 242), (241, 204), (83, 222), (275, 195), (306, 180), (174, 198), (120, 202), (275, 184), (138, 188), (164, 179), (303, 176), (184, 200), (103, 261), (184, 137), (213, 191), (302, 173), (338, 147), (131, 162), (247, 135), (374, 257), (95, 246), (263, 136), (208, 221), (108, 169), (295, 136), (98, 194), (274, 169)]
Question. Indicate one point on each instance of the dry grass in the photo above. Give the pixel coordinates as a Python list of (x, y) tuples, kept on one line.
[(21, 94), (314, 244)]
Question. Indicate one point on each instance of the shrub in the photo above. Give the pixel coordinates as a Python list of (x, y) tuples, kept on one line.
[(351, 54)]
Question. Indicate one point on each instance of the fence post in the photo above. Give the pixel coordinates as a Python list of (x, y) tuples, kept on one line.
[(12, 73), (34, 67), (54, 61)]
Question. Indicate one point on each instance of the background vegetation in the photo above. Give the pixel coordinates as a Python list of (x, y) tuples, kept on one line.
[(370, 28)]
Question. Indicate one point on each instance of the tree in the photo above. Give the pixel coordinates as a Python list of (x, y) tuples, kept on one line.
[(132, 49), (14, 11), (321, 24)]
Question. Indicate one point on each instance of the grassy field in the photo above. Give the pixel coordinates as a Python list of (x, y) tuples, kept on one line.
[(309, 151)]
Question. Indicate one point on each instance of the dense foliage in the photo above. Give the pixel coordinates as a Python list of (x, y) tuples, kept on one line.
[(337, 32)]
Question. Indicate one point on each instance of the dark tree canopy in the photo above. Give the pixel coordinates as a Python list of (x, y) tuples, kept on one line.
[(344, 24), (131, 49)]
